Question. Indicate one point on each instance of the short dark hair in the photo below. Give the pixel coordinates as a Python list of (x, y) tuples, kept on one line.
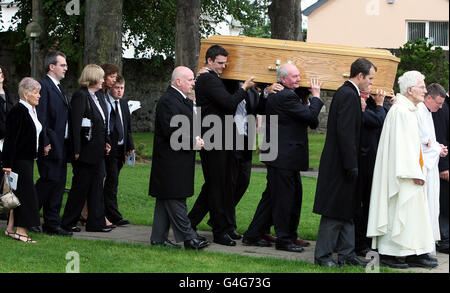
[(120, 79), (361, 65), (51, 58), (110, 69), (215, 51), (435, 90)]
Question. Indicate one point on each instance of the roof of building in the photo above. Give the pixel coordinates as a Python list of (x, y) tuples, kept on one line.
[(313, 7)]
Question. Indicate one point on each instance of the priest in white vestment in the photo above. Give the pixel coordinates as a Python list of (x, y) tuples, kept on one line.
[(399, 222), (432, 150)]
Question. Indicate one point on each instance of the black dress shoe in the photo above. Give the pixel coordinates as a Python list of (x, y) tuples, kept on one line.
[(195, 244), (166, 243), (34, 229), (255, 242), (421, 261), (330, 263), (392, 262), (76, 229), (224, 240), (122, 222), (289, 247), (105, 229), (352, 261), (363, 252), (442, 246), (234, 235), (58, 231)]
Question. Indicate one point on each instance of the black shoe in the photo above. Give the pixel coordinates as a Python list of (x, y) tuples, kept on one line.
[(392, 262), (224, 240), (166, 243), (105, 229), (234, 235), (289, 247), (76, 229), (255, 242), (58, 231), (421, 261), (352, 261), (35, 229), (122, 222), (330, 263), (195, 244)]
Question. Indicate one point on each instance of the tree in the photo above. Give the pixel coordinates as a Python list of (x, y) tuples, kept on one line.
[(103, 32), (420, 55), (286, 20), (187, 39)]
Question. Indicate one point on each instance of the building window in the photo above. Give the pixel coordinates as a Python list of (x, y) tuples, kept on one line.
[(435, 31)]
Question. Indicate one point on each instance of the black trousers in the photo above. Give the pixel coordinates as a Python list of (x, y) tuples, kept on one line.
[(217, 192), (27, 214), (366, 166), (443, 215), (241, 170), (50, 189), (280, 204), (113, 165), (87, 184)]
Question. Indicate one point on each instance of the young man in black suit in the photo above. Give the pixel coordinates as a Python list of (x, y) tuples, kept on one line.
[(213, 98), (54, 113), (282, 199), (173, 167), (121, 145), (336, 193)]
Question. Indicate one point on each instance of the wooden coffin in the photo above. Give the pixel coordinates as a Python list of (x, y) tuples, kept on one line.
[(331, 63)]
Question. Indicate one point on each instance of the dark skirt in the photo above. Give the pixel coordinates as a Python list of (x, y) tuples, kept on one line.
[(27, 214)]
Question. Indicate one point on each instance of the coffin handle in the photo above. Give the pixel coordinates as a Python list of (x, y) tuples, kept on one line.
[(277, 63), (346, 75)]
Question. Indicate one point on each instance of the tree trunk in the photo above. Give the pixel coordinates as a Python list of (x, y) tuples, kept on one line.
[(103, 32), (38, 47), (286, 19), (187, 39)]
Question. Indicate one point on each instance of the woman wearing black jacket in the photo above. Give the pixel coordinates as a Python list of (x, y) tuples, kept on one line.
[(19, 152), (90, 144)]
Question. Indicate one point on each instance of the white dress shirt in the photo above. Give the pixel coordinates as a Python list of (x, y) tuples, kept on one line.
[(33, 115)]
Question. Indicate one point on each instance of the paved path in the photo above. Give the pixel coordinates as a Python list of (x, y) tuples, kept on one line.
[(141, 234)]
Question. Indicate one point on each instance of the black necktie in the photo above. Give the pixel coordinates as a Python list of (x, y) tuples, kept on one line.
[(118, 123), (62, 92)]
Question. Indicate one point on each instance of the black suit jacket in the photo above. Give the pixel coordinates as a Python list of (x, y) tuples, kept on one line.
[(335, 194), (20, 139), (373, 119), (53, 112), (213, 98), (91, 152), (126, 122), (5, 107), (440, 119), (172, 173), (294, 117)]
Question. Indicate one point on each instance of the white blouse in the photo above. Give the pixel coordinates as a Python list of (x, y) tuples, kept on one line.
[(33, 115)]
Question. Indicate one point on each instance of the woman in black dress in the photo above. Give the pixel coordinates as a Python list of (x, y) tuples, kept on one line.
[(19, 152)]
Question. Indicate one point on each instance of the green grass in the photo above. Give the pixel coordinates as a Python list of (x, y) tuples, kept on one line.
[(143, 142)]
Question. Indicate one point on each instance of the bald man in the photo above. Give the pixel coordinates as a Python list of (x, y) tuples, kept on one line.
[(172, 173)]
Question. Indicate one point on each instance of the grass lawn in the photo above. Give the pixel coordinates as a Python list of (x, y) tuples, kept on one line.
[(143, 142)]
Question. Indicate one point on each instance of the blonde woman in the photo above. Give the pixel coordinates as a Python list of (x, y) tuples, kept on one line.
[(90, 145), (19, 152)]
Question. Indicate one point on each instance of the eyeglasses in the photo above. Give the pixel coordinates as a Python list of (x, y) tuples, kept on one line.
[(421, 87)]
